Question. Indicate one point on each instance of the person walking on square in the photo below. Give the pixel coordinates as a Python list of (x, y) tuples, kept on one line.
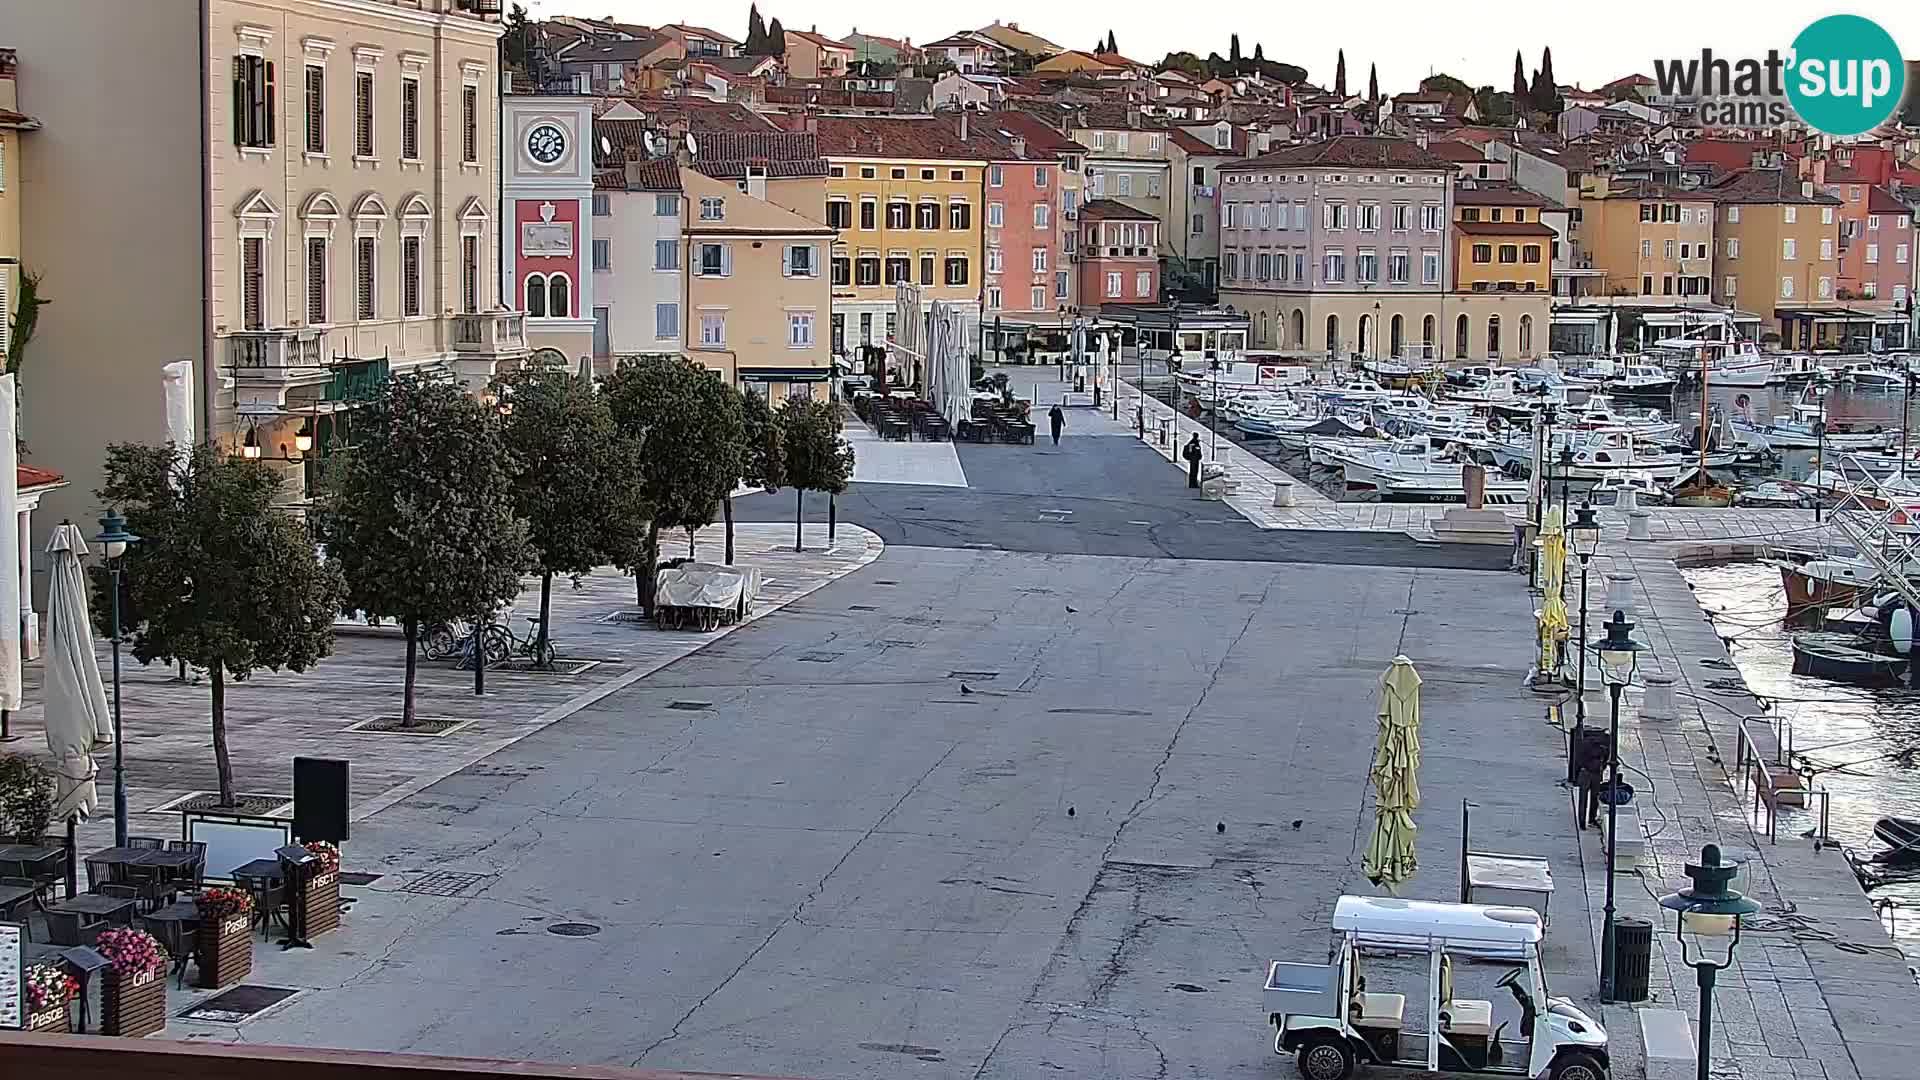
[(1595, 752), (1192, 453), (1056, 420)]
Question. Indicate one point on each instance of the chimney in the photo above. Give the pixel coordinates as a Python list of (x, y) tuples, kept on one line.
[(1019, 146), (1806, 189), (1420, 137), (1819, 170), (963, 125), (813, 122), (1133, 115)]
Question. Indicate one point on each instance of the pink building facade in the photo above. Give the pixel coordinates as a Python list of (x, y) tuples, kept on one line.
[(1022, 238), (1118, 257)]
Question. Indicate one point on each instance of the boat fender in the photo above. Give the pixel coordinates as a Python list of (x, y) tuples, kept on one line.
[(1900, 630)]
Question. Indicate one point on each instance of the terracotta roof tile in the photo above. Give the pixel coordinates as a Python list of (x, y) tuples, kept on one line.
[(1484, 194), (1881, 201), (11, 119), (821, 40), (1504, 228), (1112, 210), (726, 155), (1040, 135), (702, 32), (1348, 151), (1765, 186), (28, 476), (1456, 151), (927, 138)]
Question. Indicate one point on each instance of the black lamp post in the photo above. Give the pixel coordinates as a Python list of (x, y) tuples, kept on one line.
[(114, 539), (1709, 910), (1566, 478), (1584, 534), (1213, 414), (1619, 654)]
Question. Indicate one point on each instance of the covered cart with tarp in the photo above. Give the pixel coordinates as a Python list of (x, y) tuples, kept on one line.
[(689, 595)]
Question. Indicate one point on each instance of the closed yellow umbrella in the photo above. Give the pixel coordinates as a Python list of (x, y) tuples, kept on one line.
[(1553, 608), (1390, 859)]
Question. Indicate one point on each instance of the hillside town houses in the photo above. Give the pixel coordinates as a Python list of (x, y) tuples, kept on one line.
[(359, 187)]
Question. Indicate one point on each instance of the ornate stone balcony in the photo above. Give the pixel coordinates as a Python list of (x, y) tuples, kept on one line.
[(502, 334)]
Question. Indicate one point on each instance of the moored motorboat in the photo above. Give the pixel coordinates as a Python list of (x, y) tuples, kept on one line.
[(1844, 658), (1902, 837)]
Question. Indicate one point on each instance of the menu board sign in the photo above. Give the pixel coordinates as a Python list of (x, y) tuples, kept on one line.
[(13, 988)]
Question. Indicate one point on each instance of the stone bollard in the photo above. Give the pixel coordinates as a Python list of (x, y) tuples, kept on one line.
[(1626, 500), (1282, 493), (1620, 593), (1658, 701), (1639, 525), (1166, 432)]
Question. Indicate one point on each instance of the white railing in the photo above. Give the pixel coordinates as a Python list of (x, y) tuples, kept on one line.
[(274, 353), (490, 332)]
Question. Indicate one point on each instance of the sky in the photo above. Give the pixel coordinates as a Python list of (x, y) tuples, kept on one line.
[(1473, 41)]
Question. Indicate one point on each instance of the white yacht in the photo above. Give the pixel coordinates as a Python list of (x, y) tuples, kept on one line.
[(1798, 433)]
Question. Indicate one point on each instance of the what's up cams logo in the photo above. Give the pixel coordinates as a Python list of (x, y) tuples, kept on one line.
[(1844, 75)]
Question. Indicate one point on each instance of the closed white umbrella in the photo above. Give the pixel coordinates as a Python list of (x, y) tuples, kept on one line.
[(77, 719)]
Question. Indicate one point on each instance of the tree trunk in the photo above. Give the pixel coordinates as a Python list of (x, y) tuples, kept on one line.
[(221, 762), (546, 612), (726, 512), (649, 567), (799, 515), (413, 641)]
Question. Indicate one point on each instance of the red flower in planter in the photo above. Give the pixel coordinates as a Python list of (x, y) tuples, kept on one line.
[(132, 952), (217, 903)]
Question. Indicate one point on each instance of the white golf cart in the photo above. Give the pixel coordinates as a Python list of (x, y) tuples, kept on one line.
[(1324, 1014)]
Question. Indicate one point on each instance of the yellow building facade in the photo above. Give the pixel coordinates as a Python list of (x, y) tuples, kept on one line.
[(1648, 239), (758, 300), (905, 200), (1777, 250), (13, 123)]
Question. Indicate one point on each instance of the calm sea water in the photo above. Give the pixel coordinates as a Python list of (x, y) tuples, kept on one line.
[(1860, 740)]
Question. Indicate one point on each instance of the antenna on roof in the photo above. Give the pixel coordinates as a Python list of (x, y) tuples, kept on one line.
[(652, 143), (606, 146), (693, 147)]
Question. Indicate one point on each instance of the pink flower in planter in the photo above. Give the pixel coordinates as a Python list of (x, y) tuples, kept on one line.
[(132, 952)]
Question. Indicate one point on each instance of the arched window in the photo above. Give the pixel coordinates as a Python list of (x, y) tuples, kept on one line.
[(1396, 336), (1333, 335), (1493, 337), (1526, 335), (536, 296), (1366, 331), (1299, 329), (1261, 337), (1426, 334), (1460, 338), (558, 288)]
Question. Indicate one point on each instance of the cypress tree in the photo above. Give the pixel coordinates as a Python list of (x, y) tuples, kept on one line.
[(1233, 51), (1340, 75), (1519, 78), (1373, 86), (756, 32)]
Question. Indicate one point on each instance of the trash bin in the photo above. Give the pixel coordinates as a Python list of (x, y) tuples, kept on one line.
[(1632, 958)]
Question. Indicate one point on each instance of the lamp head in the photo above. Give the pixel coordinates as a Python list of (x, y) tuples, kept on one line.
[(250, 447), (303, 439), (1584, 532), (114, 536), (1710, 906), (1619, 653)]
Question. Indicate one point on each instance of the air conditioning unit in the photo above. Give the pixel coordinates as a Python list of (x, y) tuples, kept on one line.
[(1071, 214)]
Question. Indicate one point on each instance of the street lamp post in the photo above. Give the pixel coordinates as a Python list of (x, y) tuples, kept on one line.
[(1619, 654), (114, 539), (1213, 414), (1566, 478), (1709, 908), (1584, 534)]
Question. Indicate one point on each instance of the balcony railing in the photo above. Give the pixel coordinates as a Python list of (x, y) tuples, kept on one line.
[(276, 355), (490, 332)]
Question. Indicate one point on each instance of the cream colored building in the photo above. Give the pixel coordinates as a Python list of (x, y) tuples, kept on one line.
[(759, 299), (307, 206), (13, 124)]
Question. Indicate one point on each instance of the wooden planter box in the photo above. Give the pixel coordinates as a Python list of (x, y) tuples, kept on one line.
[(133, 1006), (49, 1019), (319, 901), (223, 951)]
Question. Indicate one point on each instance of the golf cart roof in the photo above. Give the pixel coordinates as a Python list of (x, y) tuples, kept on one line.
[(1387, 919)]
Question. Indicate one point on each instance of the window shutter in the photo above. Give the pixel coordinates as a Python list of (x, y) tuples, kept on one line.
[(269, 103), (6, 316), (239, 101), (726, 260)]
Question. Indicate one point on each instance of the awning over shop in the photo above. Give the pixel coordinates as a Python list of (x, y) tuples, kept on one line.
[(1832, 315), (784, 374)]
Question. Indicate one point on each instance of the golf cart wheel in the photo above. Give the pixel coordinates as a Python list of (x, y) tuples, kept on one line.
[(1577, 1066), (1326, 1057)]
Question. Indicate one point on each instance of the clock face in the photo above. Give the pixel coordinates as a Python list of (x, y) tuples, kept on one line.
[(546, 143)]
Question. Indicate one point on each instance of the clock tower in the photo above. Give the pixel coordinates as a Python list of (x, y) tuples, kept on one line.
[(547, 175)]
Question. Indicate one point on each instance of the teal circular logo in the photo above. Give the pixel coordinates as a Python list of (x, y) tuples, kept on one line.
[(1847, 76)]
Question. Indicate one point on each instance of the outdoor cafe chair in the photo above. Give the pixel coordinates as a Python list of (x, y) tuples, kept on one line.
[(68, 928), (268, 896), (11, 911), (101, 872), (146, 843), (176, 939)]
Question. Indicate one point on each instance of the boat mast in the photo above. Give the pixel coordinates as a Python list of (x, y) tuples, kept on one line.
[(1703, 415)]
